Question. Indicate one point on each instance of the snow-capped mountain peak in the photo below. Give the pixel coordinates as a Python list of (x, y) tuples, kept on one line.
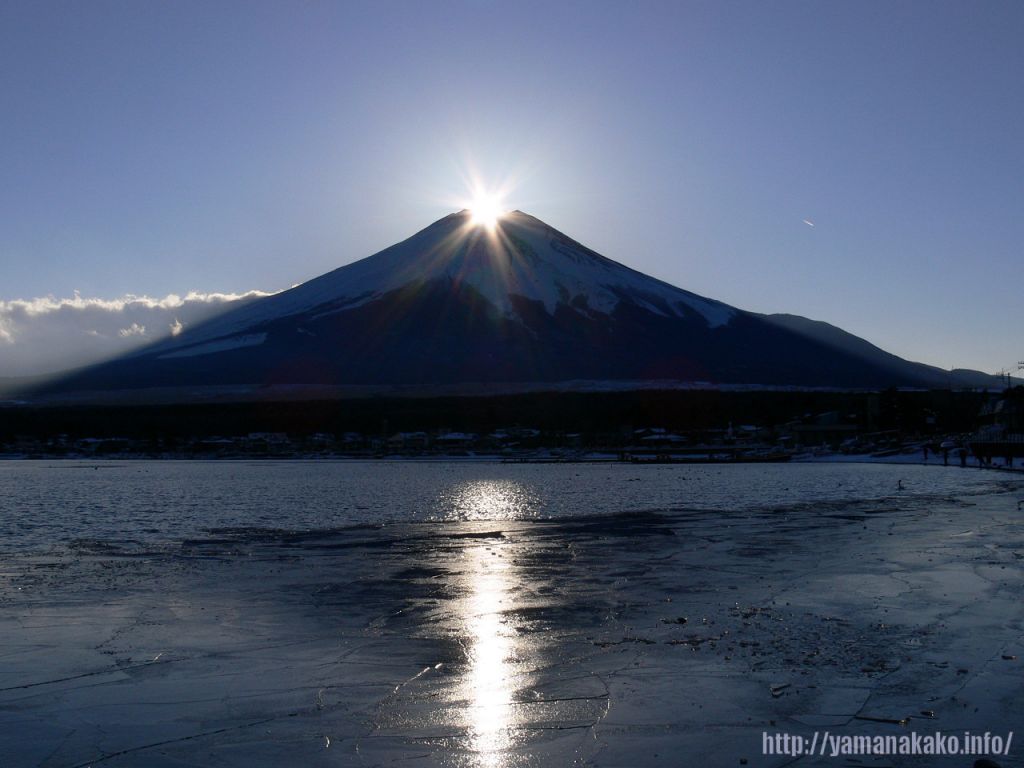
[(521, 258), (517, 303)]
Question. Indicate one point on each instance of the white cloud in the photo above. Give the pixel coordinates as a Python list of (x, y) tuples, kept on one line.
[(48, 334), (132, 330)]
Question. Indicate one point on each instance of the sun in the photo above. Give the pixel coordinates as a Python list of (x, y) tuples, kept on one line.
[(485, 210)]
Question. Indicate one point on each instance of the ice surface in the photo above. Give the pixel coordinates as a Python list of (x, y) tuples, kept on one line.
[(659, 638)]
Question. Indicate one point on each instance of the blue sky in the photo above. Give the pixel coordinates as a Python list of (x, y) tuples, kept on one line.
[(162, 148)]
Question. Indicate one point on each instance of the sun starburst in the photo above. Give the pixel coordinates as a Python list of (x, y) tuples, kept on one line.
[(486, 209)]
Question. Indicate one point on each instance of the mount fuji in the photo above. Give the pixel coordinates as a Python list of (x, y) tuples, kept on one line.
[(515, 305)]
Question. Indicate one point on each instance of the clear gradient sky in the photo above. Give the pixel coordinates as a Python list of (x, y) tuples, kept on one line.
[(155, 148)]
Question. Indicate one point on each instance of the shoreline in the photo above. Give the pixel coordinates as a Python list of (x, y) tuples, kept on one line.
[(483, 458)]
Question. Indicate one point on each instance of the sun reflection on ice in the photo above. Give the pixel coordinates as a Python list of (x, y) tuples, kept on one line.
[(492, 647), (492, 500), (490, 579)]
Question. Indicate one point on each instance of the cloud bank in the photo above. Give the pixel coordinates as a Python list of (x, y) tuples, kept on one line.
[(45, 335)]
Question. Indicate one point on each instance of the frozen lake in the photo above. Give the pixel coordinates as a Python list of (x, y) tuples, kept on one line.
[(153, 503), (478, 614)]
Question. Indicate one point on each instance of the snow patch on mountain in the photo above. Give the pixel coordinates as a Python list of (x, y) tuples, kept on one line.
[(220, 345), (523, 258)]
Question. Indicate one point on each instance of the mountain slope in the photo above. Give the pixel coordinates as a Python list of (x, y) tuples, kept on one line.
[(523, 258), (523, 303), (838, 339)]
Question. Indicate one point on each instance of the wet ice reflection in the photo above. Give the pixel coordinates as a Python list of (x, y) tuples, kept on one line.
[(491, 500), (490, 689), (490, 581)]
